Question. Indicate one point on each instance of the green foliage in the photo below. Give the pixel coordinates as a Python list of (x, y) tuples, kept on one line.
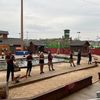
[(57, 44), (53, 44), (98, 47)]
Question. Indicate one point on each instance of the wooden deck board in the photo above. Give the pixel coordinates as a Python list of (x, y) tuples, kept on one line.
[(85, 94)]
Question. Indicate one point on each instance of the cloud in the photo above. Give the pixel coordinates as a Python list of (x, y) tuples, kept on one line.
[(48, 18)]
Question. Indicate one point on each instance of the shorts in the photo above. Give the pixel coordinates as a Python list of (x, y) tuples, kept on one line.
[(41, 62)]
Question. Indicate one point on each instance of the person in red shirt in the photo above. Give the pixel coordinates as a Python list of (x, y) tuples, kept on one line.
[(10, 66), (50, 64), (29, 64)]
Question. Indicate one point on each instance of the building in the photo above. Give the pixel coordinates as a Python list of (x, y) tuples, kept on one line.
[(82, 45), (4, 34), (14, 44), (34, 45), (8, 44)]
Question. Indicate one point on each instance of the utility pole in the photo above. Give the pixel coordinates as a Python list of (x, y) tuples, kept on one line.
[(78, 35), (27, 37), (22, 44)]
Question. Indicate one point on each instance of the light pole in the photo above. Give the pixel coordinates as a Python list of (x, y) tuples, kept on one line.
[(78, 35), (22, 25), (27, 35)]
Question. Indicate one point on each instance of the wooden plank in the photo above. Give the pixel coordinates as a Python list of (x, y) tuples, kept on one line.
[(85, 94)]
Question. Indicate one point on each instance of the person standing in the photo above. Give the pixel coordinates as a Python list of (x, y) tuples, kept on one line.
[(10, 66), (23, 53), (41, 62), (90, 57), (29, 64), (50, 64), (71, 59), (79, 57), (3, 54)]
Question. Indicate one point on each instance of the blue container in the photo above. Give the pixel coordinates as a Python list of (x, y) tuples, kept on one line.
[(22, 53)]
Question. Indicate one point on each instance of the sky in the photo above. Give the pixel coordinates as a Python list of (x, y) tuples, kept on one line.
[(49, 18)]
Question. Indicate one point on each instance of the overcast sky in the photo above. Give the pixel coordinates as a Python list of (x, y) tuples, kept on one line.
[(49, 18)]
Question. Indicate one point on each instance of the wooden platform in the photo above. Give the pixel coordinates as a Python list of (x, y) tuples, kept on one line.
[(88, 93), (49, 75)]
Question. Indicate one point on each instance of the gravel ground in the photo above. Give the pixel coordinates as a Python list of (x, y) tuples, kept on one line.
[(48, 84), (36, 70)]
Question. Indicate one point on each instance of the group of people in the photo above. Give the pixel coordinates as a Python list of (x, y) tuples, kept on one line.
[(41, 63), (79, 58), (10, 58)]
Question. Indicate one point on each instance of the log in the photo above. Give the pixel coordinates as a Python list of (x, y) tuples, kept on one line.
[(3, 90)]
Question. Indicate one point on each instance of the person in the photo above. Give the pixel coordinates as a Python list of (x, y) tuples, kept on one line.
[(29, 59), (3, 54), (41, 62), (90, 57), (10, 65), (71, 59), (79, 57), (50, 64), (23, 53)]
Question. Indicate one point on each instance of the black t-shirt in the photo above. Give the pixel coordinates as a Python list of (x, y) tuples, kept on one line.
[(50, 57), (29, 59), (71, 56)]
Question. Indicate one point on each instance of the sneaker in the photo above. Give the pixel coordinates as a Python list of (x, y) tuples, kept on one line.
[(29, 75), (49, 69), (41, 72), (53, 69)]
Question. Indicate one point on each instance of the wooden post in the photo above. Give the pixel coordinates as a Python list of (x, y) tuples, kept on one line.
[(3, 90), (22, 24)]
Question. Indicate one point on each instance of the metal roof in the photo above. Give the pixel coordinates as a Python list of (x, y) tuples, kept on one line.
[(4, 32), (35, 42), (10, 41), (17, 41), (79, 43)]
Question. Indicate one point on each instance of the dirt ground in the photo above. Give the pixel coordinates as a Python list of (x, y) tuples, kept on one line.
[(48, 84)]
